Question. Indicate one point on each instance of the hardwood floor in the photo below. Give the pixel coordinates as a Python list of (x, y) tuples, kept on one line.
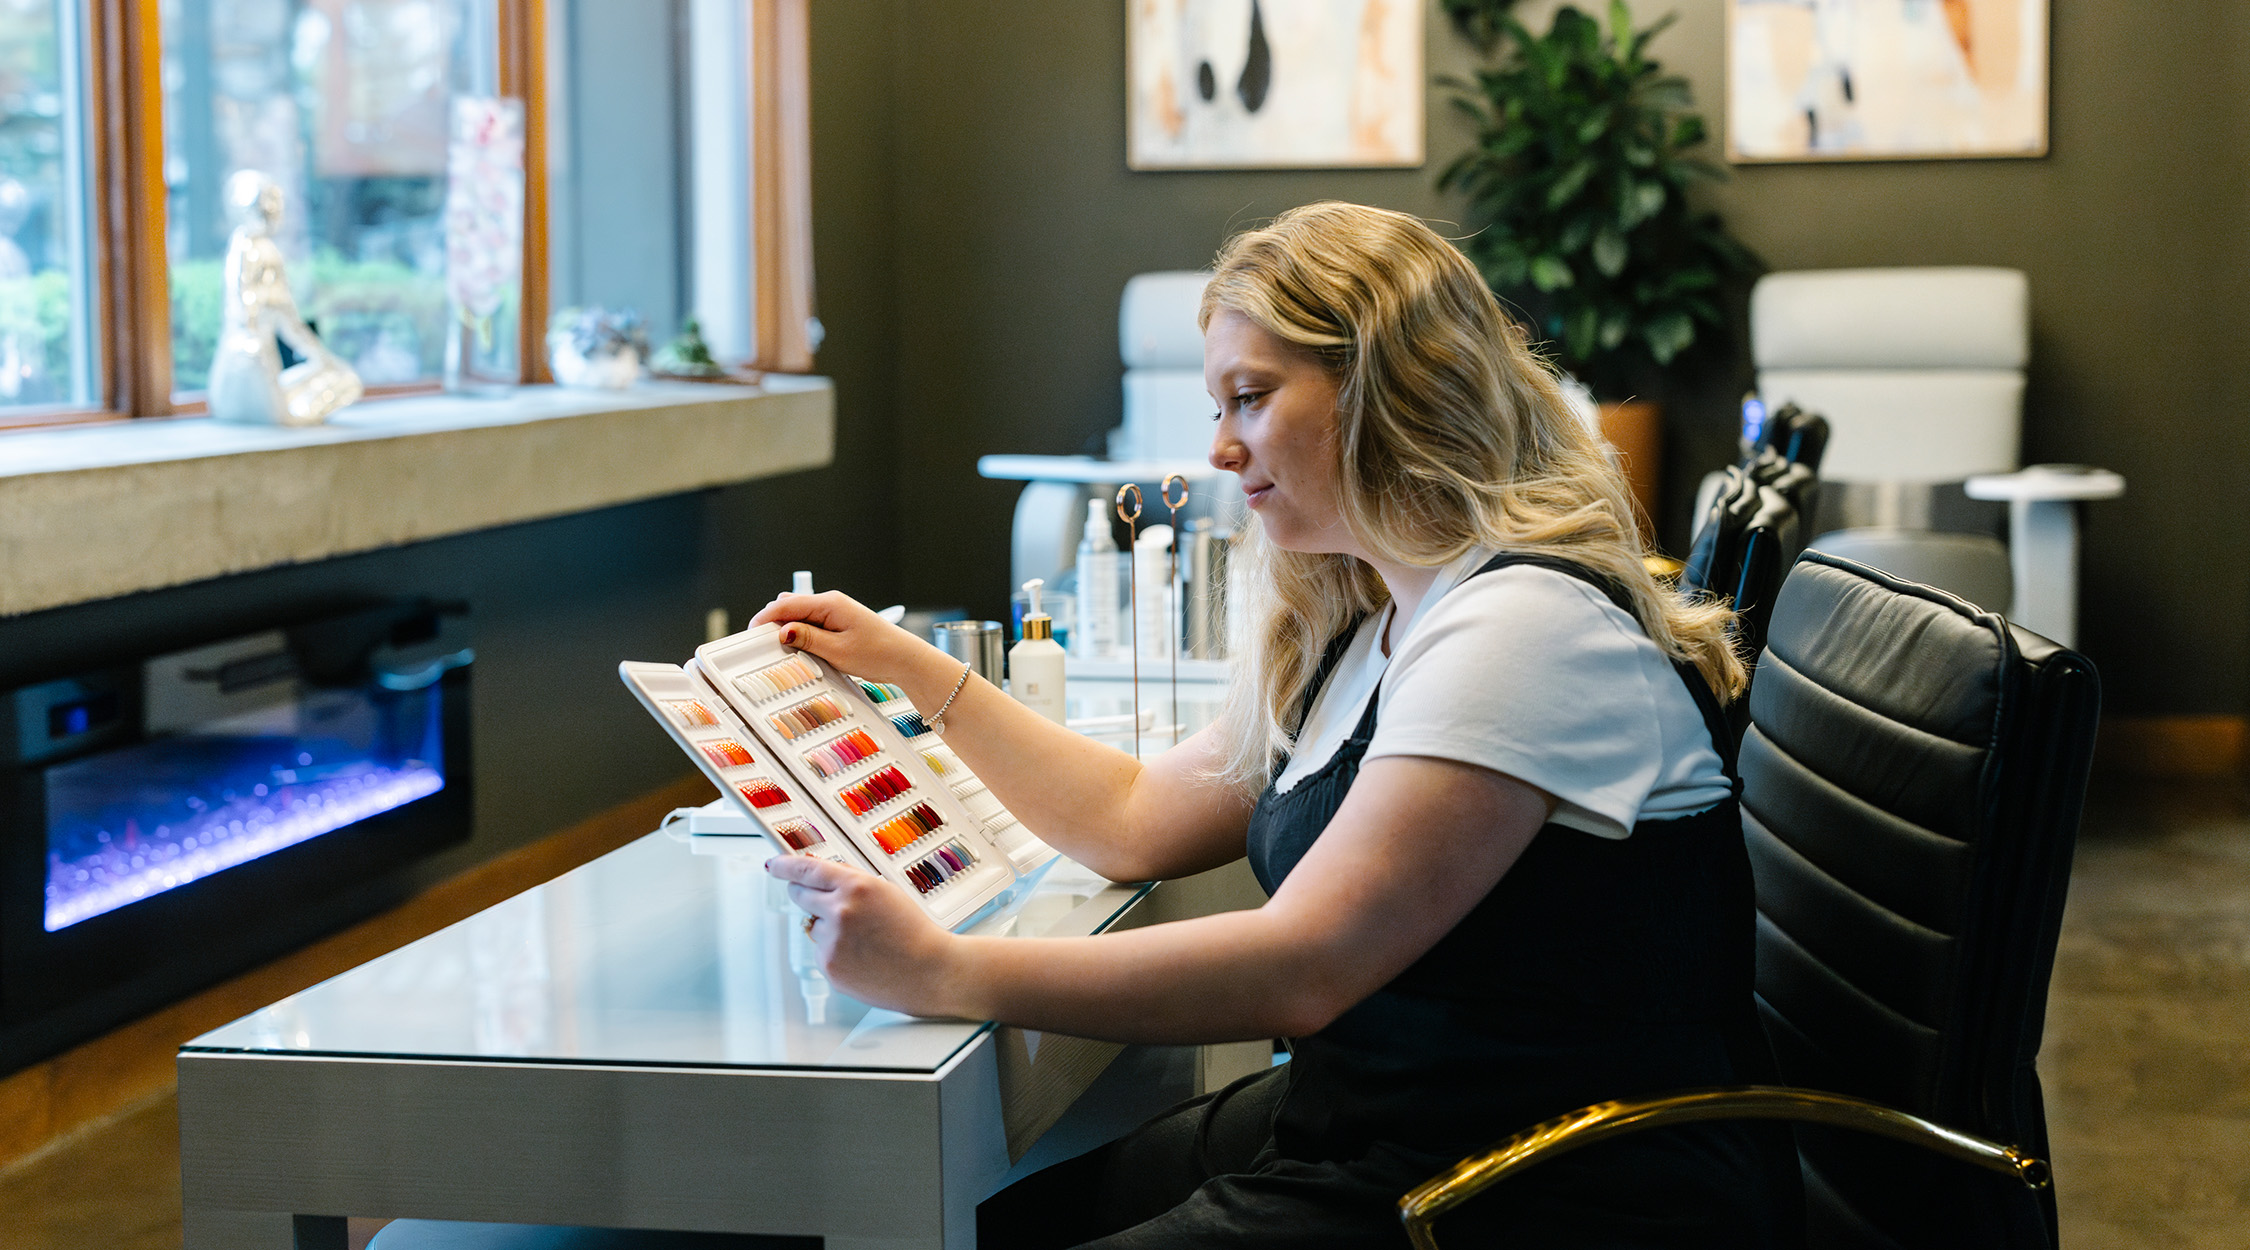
[(113, 1186), (2146, 1064)]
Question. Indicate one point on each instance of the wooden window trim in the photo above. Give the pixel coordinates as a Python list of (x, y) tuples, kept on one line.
[(135, 285), (129, 266), (781, 184), (523, 74)]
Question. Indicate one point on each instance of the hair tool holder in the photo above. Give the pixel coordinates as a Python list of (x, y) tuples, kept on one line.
[(1129, 511), (846, 770), (1176, 592)]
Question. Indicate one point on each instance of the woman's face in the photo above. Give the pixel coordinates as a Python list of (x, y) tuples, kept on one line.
[(1277, 432)]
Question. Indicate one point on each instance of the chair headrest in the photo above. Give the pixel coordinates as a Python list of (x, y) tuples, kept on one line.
[(1156, 326), (1946, 318)]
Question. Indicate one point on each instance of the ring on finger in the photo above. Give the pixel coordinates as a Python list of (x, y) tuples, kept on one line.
[(810, 921)]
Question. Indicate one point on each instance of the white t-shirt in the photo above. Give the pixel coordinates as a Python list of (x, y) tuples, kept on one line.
[(1531, 673)]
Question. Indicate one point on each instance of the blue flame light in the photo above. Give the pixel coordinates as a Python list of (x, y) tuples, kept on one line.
[(128, 824)]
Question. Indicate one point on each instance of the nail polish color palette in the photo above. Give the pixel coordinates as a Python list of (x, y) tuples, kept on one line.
[(737, 761), (844, 747), (891, 796)]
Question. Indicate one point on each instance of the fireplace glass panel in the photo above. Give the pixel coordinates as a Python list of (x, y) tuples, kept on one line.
[(133, 822)]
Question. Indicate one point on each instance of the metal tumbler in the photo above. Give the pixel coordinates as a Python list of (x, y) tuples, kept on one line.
[(978, 644)]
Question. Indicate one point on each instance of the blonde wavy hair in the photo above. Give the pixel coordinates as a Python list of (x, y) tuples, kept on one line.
[(1452, 434)]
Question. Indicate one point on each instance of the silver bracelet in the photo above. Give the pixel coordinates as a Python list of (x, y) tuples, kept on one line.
[(937, 722)]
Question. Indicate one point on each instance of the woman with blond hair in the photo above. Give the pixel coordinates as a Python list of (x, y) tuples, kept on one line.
[(1472, 750)]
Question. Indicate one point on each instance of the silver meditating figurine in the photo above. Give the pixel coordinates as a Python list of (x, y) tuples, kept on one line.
[(247, 380)]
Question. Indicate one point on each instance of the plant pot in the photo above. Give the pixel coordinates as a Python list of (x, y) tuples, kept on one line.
[(1636, 429)]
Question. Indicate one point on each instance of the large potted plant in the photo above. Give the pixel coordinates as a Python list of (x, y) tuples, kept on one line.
[(1578, 189)]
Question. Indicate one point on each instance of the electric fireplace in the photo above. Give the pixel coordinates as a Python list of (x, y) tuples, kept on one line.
[(175, 818)]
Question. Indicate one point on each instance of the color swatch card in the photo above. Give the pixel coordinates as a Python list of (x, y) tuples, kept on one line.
[(859, 754), (741, 766), (1022, 847)]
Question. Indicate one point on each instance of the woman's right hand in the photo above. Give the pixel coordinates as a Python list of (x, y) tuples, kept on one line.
[(847, 634)]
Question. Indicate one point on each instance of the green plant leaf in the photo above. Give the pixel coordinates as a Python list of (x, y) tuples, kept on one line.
[(1575, 234), (1571, 183), (1645, 201), (1581, 331), (1668, 335), (1582, 193), (1456, 172), (1668, 94), (1640, 41), (1610, 253)]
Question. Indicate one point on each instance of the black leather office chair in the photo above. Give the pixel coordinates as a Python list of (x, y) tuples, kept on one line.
[(1913, 777), (1785, 459), (1796, 436), (1714, 561), (1741, 555)]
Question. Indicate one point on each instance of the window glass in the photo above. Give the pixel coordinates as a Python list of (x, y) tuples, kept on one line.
[(45, 350), (346, 105)]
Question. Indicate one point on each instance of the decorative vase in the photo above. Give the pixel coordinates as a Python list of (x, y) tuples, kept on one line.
[(484, 245)]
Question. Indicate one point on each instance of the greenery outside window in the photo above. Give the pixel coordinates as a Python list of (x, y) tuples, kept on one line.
[(47, 354)]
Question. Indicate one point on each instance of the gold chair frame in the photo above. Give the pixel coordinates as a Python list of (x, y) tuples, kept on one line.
[(1421, 1207)]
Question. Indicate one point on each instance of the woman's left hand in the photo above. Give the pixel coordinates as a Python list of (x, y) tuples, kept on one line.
[(873, 941)]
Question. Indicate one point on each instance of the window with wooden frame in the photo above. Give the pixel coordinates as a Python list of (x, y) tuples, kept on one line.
[(121, 121)]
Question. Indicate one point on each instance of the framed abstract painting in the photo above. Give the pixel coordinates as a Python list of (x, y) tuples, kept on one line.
[(1859, 80), (1248, 84)]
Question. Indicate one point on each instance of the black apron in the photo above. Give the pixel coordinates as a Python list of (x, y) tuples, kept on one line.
[(1595, 969)]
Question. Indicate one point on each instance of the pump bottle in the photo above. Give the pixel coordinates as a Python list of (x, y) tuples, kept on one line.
[(1099, 633), (1035, 664)]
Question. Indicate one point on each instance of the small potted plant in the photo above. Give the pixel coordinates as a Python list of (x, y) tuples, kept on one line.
[(687, 357), (1578, 188)]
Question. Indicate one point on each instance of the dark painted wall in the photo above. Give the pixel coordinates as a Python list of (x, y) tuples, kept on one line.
[(1014, 225)]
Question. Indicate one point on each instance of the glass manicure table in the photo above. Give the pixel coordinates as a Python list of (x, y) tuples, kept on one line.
[(646, 1043)]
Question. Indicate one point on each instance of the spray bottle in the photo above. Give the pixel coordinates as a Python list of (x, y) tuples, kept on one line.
[(1099, 633)]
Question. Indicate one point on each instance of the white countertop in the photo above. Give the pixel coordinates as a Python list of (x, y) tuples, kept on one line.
[(96, 511)]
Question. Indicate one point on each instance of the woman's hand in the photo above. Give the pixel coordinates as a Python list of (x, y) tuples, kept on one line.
[(844, 632), (873, 941)]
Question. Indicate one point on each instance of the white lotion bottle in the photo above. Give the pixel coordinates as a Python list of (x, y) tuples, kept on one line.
[(1035, 663), (1098, 634), (1157, 608)]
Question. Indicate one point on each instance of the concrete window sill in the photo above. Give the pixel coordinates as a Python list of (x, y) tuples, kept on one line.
[(92, 512)]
